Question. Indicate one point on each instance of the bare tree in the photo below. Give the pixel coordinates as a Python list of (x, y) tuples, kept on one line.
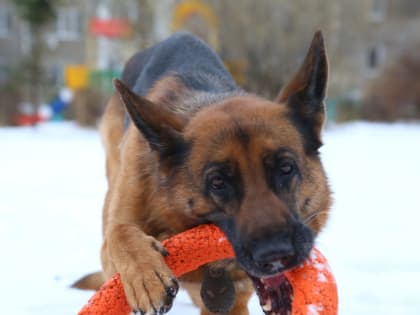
[(37, 14)]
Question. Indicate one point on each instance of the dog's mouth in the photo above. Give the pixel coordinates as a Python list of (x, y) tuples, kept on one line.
[(274, 291), (275, 294), (272, 287)]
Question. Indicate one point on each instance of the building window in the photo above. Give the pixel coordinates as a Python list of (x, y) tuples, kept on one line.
[(5, 21), (375, 58), (69, 24), (378, 10)]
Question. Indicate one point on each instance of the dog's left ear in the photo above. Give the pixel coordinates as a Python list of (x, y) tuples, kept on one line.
[(305, 94), (161, 127)]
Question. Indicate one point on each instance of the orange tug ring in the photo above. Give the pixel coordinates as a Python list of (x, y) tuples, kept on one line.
[(314, 286)]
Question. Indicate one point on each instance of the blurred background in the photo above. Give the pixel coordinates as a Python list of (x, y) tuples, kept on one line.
[(63, 54), (57, 61)]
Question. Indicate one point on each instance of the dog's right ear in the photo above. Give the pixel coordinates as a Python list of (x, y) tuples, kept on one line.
[(161, 127)]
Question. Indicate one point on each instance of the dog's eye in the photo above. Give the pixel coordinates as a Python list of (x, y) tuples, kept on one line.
[(217, 182), (285, 170), (286, 167)]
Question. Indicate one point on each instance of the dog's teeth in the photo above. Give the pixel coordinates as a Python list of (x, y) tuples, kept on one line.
[(267, 306)]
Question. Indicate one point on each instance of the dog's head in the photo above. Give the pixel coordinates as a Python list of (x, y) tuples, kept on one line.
[(249, 165)]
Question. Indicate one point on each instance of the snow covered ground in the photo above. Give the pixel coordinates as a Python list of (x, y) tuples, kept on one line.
[(52, 186)]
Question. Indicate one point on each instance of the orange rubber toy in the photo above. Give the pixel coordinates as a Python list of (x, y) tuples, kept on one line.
[(314, 287)]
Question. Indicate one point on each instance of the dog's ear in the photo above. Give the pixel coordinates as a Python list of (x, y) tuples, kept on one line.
[(305, 93), (161, 127)]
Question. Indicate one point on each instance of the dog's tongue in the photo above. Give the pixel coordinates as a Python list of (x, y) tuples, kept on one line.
[(275, 294)]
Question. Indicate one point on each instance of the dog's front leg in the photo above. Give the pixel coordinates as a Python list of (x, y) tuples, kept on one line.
[(148, 283)]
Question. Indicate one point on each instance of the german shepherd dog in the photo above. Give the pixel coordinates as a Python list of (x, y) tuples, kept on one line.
[(195, 148)]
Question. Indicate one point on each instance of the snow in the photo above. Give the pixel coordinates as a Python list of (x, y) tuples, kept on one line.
[(52, 186), (314, 309)]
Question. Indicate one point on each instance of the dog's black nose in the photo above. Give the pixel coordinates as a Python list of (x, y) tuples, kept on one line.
[(273, 255)]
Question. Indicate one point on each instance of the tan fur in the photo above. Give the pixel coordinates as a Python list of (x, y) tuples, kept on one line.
[(145, 204), (128, 227)]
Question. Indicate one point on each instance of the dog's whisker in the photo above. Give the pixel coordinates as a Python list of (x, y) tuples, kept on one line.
[(314, 215)]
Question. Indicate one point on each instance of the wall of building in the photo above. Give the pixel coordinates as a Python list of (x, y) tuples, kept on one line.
[(267, 37)]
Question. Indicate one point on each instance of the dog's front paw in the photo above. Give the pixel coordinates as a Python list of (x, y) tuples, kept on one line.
[(149, 285), (149, 292)]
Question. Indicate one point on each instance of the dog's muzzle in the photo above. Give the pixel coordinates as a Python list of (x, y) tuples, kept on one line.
[(276, 251)]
